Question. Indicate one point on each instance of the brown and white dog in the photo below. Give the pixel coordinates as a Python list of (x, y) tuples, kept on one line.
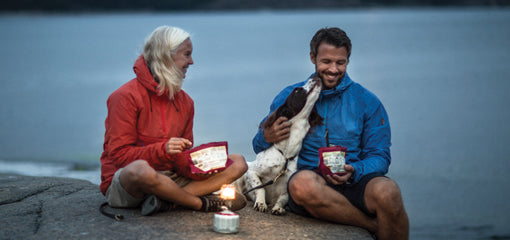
[(299, 109)]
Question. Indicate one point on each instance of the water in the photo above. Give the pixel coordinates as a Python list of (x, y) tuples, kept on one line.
[(441, 73)]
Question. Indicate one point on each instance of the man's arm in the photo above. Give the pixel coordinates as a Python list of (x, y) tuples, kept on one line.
[(259, 143), (375, 144)]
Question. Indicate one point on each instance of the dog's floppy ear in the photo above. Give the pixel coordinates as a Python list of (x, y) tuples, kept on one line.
[(295, 102), (270, 120), (283, 110), (315, 118), (292, 105)]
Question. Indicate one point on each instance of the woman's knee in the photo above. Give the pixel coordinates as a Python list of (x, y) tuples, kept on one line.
[(139, 172), (239, 164)]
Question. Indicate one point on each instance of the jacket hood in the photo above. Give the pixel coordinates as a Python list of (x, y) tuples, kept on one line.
[(144, 76), (345, 83)]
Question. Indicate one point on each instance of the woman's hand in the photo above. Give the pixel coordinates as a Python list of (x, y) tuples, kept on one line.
[(177, 145), (208, 175)]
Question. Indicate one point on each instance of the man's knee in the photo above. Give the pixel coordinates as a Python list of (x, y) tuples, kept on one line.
[(303, 188), (384, 193)]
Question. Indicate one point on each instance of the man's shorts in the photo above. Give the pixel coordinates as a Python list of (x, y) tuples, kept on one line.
[(117, 196), (353, 192)]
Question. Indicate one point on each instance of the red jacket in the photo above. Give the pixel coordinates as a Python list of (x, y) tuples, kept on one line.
[(140, 122)]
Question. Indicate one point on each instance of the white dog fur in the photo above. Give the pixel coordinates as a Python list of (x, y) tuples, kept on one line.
[(270, 162)]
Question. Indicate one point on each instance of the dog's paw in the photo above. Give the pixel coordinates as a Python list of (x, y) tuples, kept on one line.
[(260, 206), (277, 211)]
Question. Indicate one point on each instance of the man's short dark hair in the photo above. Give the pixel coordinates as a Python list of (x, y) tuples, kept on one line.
[(333, 36)]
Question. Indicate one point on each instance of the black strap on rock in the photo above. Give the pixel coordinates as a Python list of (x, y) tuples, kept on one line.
[(283, 171), (117, 217)]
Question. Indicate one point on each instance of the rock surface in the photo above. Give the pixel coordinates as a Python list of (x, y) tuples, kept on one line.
[(65, 208)]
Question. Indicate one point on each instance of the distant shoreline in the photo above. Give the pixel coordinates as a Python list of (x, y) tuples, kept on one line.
[(227, 5), (49, 169)]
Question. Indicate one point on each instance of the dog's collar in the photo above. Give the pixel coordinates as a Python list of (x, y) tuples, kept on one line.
[(284, 169), (286, 159)]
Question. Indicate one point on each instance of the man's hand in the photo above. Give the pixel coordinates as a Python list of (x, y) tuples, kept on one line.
[(341, 179), (177, 145), (280, 130)]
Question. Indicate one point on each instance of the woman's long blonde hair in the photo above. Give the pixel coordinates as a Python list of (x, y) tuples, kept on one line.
[(158, 50)]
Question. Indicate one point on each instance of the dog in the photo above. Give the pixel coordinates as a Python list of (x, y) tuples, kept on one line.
[(281, 158)]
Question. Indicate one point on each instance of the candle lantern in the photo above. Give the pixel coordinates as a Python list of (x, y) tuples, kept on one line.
[(226, 221)]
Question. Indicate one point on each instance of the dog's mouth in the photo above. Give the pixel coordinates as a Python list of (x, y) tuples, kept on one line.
[(312, 83)]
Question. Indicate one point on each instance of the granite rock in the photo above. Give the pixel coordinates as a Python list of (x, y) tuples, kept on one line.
[(65, 208)]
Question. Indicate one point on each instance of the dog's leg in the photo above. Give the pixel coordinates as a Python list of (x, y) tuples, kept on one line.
[(253, 180), (279, 195), (279, 206), (281, 189), (260, 200)]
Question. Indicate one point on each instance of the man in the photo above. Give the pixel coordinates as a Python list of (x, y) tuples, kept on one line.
[(353, 118), (149, 122)]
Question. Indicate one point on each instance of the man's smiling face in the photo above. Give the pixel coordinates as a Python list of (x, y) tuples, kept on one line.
[(330, 63)]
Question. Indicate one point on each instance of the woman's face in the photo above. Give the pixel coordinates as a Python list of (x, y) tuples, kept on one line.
[(182, 56)]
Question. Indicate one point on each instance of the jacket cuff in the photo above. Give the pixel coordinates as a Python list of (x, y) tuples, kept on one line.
[(165, 155), (358, 172), (259, 142)]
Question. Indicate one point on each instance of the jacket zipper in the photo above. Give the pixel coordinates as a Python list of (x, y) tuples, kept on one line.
[(176, 109), (326, 131), (162, 116)]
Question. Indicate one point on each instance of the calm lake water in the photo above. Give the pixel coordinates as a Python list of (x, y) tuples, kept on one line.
[(442, 75)]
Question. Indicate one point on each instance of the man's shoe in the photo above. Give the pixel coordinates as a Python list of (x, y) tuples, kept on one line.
[(153, 204), (213, 203)]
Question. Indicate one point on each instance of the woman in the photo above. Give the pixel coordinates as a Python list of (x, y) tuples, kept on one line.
[(150, 120)]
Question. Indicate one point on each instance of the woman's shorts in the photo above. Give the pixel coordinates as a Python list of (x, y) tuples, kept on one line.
[(117, 196)]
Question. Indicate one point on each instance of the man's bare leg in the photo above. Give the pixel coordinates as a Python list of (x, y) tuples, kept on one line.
[(308, 189), (383, 197)]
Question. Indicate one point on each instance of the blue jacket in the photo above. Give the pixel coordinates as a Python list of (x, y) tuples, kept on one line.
[(354, 117)]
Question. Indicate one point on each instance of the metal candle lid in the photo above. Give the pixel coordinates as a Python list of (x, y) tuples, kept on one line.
[(226, 221)]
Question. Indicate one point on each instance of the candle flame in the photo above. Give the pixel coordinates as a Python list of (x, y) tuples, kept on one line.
[(228, 192)]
